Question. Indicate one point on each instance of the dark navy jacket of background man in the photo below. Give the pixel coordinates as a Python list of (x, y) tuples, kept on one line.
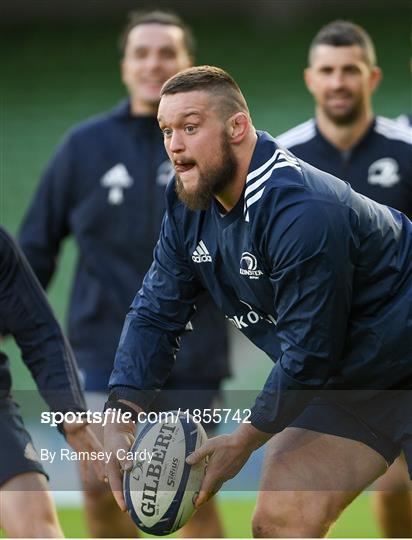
[(379, 166), (105, 186)]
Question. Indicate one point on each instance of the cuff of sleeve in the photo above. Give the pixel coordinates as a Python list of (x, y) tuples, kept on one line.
[(64, 400), (142, 398), (60, 426), (281, 402), (261, 423)]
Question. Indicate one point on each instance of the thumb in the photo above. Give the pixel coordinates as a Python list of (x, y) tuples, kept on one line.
[(208, 489), (202, 498), (116, 483), (125, 458)]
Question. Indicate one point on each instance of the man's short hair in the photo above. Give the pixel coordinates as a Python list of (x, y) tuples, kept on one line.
[(344, 34), (168, 18), (210, 79)]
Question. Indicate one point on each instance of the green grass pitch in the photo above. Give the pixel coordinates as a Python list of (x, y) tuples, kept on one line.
[(355, 522)]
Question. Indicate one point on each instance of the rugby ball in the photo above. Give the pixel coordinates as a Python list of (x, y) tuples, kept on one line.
[(161, 487)]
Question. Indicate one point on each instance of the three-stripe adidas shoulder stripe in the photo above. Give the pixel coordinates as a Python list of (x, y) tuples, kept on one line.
[(256, 180)]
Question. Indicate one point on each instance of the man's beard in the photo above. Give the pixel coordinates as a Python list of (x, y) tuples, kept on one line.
[(348, 117), (210, 182)]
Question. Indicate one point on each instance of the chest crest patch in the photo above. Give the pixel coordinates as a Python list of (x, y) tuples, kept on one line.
[(384, 172), (165, 173), (116, 180), (249, 266)]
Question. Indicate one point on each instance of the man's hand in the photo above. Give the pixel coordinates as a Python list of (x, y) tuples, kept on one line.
[(227, 455), (82, 439), (119, 436)]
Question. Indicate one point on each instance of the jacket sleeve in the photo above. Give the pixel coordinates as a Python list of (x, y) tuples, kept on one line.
[(26, 314), (308, 246), (158, 316), (46, 222)]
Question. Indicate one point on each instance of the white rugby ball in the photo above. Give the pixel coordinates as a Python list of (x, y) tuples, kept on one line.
[(160, 492)]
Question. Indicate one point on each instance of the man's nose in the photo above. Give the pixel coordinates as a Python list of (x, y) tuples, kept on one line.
[(176, 143), (153, 62), (337, 79)]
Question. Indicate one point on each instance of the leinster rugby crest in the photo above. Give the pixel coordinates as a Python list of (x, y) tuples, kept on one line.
[(116, 180), (165, 172), (249, 266), (384, 172)]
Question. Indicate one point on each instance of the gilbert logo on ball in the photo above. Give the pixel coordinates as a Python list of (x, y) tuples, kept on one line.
[(160, 492)]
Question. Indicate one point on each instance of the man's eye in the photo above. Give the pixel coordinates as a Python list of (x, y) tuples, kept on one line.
[(139, 54), (167, 133), (190, 129), (168, 54), (352, 70)]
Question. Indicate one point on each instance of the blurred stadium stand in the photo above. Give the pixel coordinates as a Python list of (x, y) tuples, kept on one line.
[(100, 10)]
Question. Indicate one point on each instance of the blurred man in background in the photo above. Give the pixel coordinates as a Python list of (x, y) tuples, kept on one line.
[(373, 154), (27, 508), (105, 186)]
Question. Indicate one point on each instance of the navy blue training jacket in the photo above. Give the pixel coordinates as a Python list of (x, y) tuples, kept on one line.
[(105, 186), (378, 166), (26, 315), (302, 262)]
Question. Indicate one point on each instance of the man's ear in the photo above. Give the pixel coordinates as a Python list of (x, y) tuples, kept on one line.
[(122, 75), (375, 78), (307, 77), (238, 126)]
